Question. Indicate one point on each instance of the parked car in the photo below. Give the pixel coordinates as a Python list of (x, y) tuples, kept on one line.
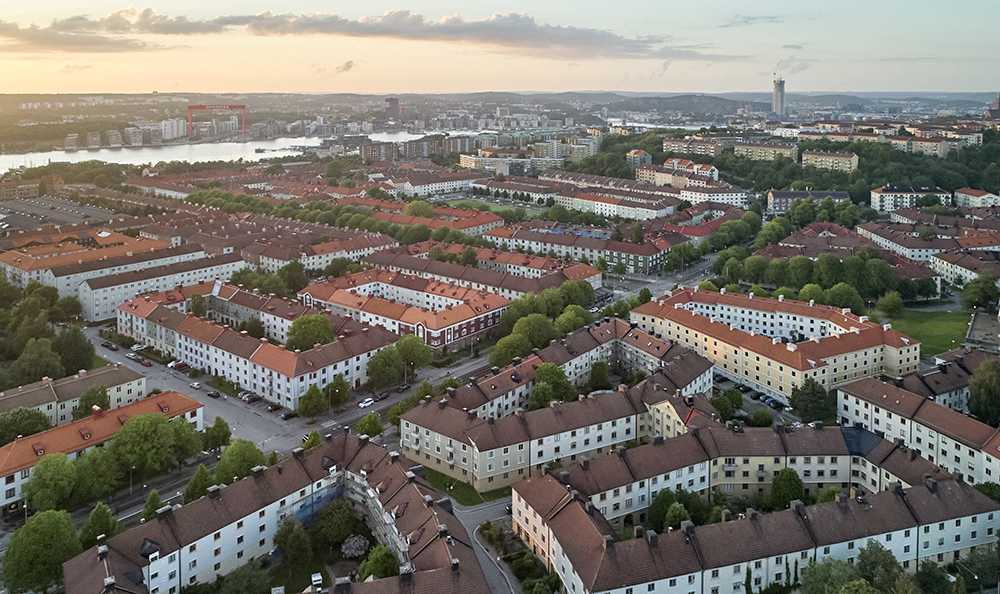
[(403, 388), (182, 367), (244, 394), (109, 345), (366, 403), (253, 398), (273, 407), (381, 397), (146, 363), (754, 395), (132, 356), (135, 348), (195, 385), (289, 414), (777, 405), (213, 394)]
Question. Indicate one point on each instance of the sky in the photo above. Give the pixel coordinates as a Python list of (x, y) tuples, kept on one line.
[(433, 46)]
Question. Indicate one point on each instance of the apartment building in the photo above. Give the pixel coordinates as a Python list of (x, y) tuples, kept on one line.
[(443, 315), (678, 370), (102, 295), (943, 436), (374, 152), (890, 198), (767, 151), (207, 538), (73, 438), (637, 157), (947, 382), (972, 198), (933, 522), (691, 146), (315, 256), (739, 461), (846, 162), (904, 240), (524, 265), (744, 336), (279, 375), (958, 267), (779, 201), (57, 398)]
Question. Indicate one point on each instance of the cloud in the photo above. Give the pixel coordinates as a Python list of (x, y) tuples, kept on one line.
[(344, 67), (743, 21), (324, 72), (792, 65), (516, 33), (71, 68), (794, 46)]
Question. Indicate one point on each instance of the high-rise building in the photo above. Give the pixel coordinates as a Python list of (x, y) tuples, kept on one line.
[(778, 100), (392, 111)]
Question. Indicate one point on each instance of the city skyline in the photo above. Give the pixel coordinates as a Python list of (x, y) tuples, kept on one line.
[(428, 46)]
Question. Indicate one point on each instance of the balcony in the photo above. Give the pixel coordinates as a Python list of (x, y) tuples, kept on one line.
[(730, 467), (762, 474)]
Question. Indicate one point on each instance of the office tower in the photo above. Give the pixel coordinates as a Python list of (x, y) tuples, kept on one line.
[(778, 100), (392, 111)]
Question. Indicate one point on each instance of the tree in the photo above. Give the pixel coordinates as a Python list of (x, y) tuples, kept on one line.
[(554, 376), (675, 515), (538, 329), (354, 547), (602, 264), (845, 296), (312, 440), (370, 425), (253, 327), (91, 397), (879, 566), (468, 257), (645, 295), (984, 393), (811, 292), (335, 522), (292, 543), (338, 391), (982, 292), (827, 576), (761, 417), (99, 522), (50, 485), (787, 487), (36, 552), (153, 503), (636, 234), (187, 440), (619, 268), (198, 486), (931, 578), (380, 563), (573, 318), (748, 582), (508, 347), (827, 495), (616, 234), (198, 306), (96, 473), (308, 331), (599, 376), (312, 403), (218, 435), (990, 489), (959, 586), (384, 367), (237, 461), (247, 579), (294, 276), (891, 303), (658, 508), (857, 587), (414, 353), (36, 361), (144, 443), (419, 208), (22, 422), (708, 286), (812, 402), (801, 270), (75, 350)]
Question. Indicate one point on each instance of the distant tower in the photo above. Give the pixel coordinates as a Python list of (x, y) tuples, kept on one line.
[(994, 112), (778, 99), (392, 111)]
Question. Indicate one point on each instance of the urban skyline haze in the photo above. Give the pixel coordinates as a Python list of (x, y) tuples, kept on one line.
[(426, 46)]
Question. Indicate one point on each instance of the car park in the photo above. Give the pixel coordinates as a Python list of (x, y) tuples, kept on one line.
[(146, 363), (213, 394), (289, 414), (366, 403)]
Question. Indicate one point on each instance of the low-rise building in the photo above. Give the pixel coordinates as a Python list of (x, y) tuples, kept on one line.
[(57, 398), (958, 267), (73, 438), (637, 157), (947, 383), (691, 146), (779, 201), (767, 151), (890, 198), (972, 198)]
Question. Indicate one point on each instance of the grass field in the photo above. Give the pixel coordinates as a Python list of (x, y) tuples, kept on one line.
[(98, 362), (462, 493), (937, 331)]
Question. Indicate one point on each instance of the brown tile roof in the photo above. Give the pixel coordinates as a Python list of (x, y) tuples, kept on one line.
[(67, 388)]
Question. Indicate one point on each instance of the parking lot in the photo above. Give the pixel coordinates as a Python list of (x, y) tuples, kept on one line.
[(752, 400)]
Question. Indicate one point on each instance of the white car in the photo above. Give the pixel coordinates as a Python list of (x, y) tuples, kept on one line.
[(137, 347), (195, 385), (366, 403)]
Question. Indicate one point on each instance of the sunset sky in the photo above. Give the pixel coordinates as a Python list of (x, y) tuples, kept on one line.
[(51, 46)]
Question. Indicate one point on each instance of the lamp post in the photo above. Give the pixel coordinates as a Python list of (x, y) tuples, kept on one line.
[(25, 506)]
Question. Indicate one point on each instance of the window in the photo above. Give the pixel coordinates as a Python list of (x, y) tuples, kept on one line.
[(262, 527), (193, 564)]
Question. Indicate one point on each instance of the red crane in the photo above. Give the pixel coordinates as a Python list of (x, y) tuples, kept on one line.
[(191, 108)]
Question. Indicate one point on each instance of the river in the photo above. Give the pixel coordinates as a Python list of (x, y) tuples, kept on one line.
[(216, 151)]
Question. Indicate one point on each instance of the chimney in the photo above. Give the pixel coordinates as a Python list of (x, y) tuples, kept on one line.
[(454, 564), (818, 425), (799, 507), (727, 515), (688, 527), (393, 457), (343, 585), (102, 552), (405, 575), (651, 539), (621, 451), (258, 471), (959, 477), (213, 491), (163, 512), (585, 463), (658, 440), (931, 484), (590, 508), (109, 585), (842, 499), (609, 541), (639, 532), (752, 513)]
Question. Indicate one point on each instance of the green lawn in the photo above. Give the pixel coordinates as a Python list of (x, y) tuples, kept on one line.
[(98, 362), (300, 575), (937, 331), (462, 493)]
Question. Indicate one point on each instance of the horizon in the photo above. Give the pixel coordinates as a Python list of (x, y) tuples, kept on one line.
[(427, 47)]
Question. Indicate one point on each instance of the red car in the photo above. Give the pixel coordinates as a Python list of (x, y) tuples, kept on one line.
[(146, 363)]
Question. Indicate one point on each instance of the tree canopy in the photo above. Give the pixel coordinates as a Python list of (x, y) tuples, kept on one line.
[(307, 331)]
